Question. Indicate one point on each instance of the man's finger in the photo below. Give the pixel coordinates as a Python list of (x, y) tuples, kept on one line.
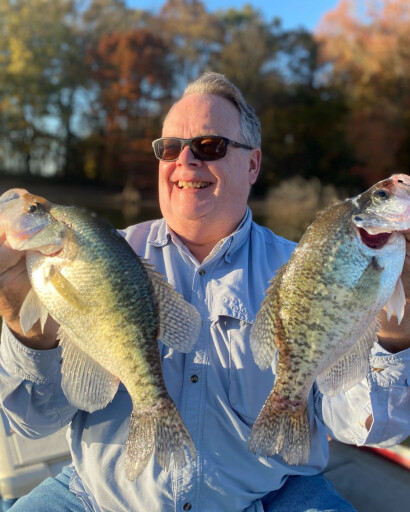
[(8, 257)]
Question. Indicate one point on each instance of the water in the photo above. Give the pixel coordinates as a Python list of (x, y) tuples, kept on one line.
[(149, 210), (127, 216)]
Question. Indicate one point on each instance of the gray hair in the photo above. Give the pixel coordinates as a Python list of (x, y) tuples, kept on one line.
[(219, 85)]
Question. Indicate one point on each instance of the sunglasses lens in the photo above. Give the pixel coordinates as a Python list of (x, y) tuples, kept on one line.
[(204, 148), (168, 149), (209, 148)]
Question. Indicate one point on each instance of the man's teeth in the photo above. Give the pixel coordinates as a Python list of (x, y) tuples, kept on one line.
[(193, 184)]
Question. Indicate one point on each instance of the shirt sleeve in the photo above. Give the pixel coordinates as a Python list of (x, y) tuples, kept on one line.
[(30, 388), (384, 396)]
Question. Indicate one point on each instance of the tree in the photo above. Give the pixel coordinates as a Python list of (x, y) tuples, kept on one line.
[(248, 54), (191, 35), (104, 17), (133, 79), (41, 69), (304, 120), (367, 47)]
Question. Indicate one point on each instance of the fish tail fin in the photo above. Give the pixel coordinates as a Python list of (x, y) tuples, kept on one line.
[(282, 428), (159, 428)]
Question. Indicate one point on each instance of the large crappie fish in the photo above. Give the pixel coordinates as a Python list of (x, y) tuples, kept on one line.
[(112, 308), (320, 309)]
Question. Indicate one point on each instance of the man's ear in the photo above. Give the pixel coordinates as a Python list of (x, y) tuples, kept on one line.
[(254, 165)]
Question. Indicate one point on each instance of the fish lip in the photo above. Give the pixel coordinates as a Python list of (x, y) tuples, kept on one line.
[(53, 254), (28, 233), (377, 224), (9, 198), (5, 202)]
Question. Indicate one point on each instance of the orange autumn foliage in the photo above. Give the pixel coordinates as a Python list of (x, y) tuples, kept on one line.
[(367, 45)]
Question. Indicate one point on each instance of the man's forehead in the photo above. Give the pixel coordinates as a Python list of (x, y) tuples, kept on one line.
[(203, 111)]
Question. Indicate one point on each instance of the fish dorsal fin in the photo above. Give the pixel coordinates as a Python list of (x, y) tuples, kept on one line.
[(180, 322), (265, 333), (31, 310), (397, 302), (351, 367), (86, 384)]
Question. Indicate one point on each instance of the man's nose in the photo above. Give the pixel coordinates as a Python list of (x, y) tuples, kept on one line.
[(187, 158)]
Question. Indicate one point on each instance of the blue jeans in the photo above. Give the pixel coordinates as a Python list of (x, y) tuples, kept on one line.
[(52, 495), (306, 494), (299, 494)]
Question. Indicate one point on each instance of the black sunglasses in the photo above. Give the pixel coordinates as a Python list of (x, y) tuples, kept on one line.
[(206, 147)]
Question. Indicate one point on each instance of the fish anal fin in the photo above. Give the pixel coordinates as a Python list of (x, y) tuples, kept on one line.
[(180, 322), (140, 444), (63, 286), (86, 384), (159, 428), (32, 310), (397, 302), (351, 367)]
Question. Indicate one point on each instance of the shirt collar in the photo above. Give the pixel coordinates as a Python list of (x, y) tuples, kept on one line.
[(225, 247), (160, 237)]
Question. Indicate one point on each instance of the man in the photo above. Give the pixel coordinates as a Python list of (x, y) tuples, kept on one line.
[(211, 251)]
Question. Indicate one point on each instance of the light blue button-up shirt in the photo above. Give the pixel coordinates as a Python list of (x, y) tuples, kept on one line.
[(218, 389)]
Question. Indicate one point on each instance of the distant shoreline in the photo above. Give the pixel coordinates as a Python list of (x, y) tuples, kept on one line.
[(91, 196)]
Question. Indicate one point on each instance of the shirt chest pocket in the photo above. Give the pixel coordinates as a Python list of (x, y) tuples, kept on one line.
[(248, 385)]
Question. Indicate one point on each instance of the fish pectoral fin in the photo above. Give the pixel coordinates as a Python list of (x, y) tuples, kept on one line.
[(86, 384), (32, 310), (370, 279), (352, 367), (63, 286), (179, 321), (397, 302)]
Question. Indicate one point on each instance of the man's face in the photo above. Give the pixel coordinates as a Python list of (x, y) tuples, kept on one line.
[(206, 197)]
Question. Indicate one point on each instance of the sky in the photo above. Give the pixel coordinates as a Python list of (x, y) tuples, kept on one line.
[(293, 13)]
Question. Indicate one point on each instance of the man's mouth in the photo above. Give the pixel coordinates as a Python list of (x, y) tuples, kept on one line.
[(193, 184)]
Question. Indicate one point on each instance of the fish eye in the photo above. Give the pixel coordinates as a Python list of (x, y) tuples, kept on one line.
[(383, 194), (32, 208)]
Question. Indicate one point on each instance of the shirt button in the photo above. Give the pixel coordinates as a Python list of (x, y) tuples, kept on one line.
[(187, 506), (194, 378), (201, 273)]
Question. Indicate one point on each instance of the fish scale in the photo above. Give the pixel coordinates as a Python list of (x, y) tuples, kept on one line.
[(111, 307), (320, 310)]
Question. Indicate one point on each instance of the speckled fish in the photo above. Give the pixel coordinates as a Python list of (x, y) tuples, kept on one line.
[(320, 309), (112, 307)]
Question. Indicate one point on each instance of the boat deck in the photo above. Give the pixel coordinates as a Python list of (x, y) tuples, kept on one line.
[(369, 481)]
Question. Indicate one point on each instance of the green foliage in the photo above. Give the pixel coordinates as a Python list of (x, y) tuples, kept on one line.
[(41, 67)]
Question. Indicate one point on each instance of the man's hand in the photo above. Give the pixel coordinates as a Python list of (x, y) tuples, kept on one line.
[(14, 286), (392, 336)]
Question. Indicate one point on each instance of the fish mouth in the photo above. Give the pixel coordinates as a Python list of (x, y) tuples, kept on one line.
[(374, 241), (53, 254)]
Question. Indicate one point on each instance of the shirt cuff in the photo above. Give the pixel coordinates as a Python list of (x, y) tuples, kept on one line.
[(389, 369), (38, 366)]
